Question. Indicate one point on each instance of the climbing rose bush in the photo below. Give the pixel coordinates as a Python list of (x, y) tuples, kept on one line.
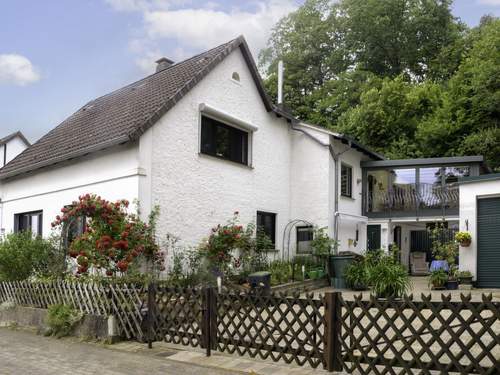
[(113, 239), (227, 245)]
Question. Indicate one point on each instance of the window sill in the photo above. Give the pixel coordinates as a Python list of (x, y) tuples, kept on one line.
[(347, 197), (207, 156)]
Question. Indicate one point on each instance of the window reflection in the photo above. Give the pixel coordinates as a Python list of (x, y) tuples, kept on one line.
[(430, 189), (378, 191), (403, 190), (451, 176)]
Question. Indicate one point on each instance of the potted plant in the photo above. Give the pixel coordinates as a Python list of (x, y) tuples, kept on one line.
[(438, 279), (356, 275), (463, 238), (388, 278), (465, 277), (452, 283)]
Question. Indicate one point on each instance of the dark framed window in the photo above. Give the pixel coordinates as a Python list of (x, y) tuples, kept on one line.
[(346, 181), (305, 235), (29, 221), (266, 222), (223, 141), (73, 229)]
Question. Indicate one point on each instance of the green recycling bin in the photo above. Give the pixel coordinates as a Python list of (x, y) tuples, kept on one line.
[(337, 266)]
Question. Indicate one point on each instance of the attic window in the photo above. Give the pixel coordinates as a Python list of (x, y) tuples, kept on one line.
[(236, 76)]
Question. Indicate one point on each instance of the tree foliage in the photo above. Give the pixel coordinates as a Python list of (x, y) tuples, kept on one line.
[(404, 77)]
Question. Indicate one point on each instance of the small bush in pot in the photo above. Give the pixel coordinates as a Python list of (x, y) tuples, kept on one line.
[(388, 278), (464, 238), (356, 275), (465, 277), (438, 279), (452, 283)]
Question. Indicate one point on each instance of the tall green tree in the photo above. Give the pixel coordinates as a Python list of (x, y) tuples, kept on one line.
[(392, 37), (323, 42), (468, 122), (397, 108)]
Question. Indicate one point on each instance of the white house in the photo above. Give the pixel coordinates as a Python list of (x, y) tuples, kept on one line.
[(201, 139), (10, 146)]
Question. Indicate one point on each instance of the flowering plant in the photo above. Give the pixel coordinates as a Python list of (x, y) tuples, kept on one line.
[(220, 249), (112, 239)]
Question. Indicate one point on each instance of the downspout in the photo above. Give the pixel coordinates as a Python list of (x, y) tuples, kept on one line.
[(1, 218), (336, 214)]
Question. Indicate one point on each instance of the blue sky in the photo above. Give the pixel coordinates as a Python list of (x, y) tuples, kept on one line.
[(55, 55)]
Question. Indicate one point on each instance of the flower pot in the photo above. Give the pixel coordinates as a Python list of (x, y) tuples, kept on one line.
[(452, 284), (359, 287), (466, 280), (465, 243)]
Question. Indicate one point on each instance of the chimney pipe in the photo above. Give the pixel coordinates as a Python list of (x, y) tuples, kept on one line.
[(163, 63), (280, 82)]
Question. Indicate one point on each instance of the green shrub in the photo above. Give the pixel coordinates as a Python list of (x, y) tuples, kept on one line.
[(356, 275), (23, 255), (61, 319), (281, 271), (438, 278), (389, 279)]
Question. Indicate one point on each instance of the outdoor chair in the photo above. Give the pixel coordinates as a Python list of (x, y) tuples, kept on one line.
[(419, 267)]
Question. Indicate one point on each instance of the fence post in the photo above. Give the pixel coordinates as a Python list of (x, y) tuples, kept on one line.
[(213, 318), (332, 331), (151, 311), (206, 331)]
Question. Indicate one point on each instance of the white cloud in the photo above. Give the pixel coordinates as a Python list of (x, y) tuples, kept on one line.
[(180, 31), (205, 28), (489, 2), (17, 69)]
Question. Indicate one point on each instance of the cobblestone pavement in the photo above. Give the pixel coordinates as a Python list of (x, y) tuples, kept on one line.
[(26, 353)]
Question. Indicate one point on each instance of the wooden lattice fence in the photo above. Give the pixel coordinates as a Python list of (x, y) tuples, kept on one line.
[(127, 302), (361, 336), (420, 337)]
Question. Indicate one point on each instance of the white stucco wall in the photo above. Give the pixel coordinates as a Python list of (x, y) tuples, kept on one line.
[(469, 194), (113, 174), (350, 218)]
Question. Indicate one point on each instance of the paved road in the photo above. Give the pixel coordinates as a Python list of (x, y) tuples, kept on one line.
[(25, 353)]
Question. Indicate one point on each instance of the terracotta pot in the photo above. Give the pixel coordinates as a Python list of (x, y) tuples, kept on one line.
[(465, 243)]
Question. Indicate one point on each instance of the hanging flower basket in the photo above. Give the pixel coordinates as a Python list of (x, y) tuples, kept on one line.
[(463, 238)]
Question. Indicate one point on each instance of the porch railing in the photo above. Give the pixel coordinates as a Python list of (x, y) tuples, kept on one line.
[(409, 199)]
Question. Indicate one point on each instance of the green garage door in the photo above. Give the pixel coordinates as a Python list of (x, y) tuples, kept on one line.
[(488, 242)]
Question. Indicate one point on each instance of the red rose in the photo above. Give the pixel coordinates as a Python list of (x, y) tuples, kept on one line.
[(122, 265)]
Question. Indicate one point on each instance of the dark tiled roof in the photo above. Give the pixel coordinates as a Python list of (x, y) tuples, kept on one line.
[(14, 135), (125, 114)]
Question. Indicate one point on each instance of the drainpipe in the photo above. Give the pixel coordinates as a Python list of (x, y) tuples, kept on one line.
[(336, 214), (1, 218)]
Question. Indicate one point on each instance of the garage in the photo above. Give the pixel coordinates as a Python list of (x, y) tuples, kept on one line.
[(480, 216), (488, 242)]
